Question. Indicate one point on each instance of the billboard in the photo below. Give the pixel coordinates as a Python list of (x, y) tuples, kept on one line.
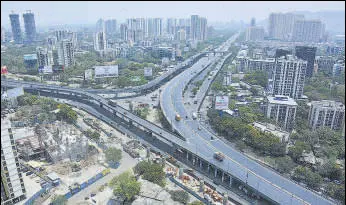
[(106, 71), (221, 102), (58, 68), (148, 71), (88, 74), (4, 70), (45, 69), (15, 92)]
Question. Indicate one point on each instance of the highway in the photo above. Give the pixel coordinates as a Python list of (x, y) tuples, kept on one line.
[(269, 183)]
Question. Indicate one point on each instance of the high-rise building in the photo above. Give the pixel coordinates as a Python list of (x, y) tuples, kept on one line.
[(325, 63), (307, 31), (281, 109), (337, 69), (123, 32), (281, 25), (30, 63), (30, 27), (194, 27), (171, 26), (3, 35), (12, 184), (100, 41), (100, 25), (198, 28), (288, 77), (111, 27), (254, 33), (16, 30), (181, 35), (157, 27), (44, 57), (60, 34), (326, 113), (203, 29), (253, 22), (65, 53), (308, 54)]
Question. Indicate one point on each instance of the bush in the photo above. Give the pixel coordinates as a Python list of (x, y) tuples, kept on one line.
[(180, 196), (126, 186), (113, 154), (151, 172)]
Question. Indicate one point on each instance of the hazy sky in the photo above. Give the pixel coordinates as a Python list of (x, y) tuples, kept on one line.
[(73, 12)]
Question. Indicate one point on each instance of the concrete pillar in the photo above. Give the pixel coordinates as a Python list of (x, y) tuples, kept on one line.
[(148, 152), (223, 176), (230, 180), (181, 172), (200, 163), (225, 199), (208, 168), (215, 172), (201, 185), (193, 161), (187, 156), (163, 161)]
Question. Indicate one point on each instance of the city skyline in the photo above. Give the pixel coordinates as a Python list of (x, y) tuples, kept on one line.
[(213, 11)]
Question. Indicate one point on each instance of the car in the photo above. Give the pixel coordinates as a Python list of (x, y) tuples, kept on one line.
[(86, 198), (92, 194), (93, 200), (199, 128)]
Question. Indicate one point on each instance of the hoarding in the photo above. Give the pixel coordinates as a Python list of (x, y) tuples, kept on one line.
[(106, 71), (148, 71), (45, 69), (221, 102), (88, 74), (58, 68), (15, 92), (4, 70)]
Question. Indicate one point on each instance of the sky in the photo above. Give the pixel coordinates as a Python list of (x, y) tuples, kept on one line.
[(82, 12)]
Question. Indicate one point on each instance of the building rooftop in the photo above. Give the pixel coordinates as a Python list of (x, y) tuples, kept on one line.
[(282, 100), (30, 57), (270, 128), (328, 104)]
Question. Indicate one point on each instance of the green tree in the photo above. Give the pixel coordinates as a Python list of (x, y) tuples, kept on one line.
[(59, 200), (113, 154), (180, 196), (196, 203), (67, 113), (284, 164), (126, 186), (330, 170), (151, 172), (296, 151), (257, 78), (313, 180)]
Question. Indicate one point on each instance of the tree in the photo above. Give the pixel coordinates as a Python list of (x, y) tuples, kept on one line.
[(330, 170), (296, 151), (113, 155), (59, 200), (126, 186), (180, 196), (313, 180), (151, 172), (196, 203), (67, 113), (284, 164)]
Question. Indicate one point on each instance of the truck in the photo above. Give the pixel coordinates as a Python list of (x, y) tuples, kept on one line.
[(194, 115), (219, 156), (177, 117)]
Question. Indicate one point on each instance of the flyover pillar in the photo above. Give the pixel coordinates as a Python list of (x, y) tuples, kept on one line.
[(223, 176), (215, 172), (201, 185)]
